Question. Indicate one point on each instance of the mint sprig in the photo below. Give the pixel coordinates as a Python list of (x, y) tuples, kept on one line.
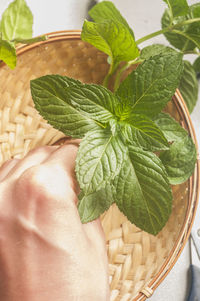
[(115, 160)]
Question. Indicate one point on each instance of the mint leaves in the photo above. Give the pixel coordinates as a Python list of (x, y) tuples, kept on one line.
[(115, 160), (113, 38)]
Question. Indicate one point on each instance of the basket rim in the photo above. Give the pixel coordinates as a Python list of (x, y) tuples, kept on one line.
[(194, 181)]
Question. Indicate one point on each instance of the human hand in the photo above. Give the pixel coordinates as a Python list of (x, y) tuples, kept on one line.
[(46, 254)]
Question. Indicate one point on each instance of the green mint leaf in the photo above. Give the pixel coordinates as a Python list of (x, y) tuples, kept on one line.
[(8, 53), (30, 41), (187, 38), (99, 159), (17, 21), (91, 206), (140, 131), (143, 192), (148, 89), (95, 101), (189, 86), (113, 38), (106, 10), (171, 129), (177, 7), (49, 94), (180, 160), (196, 66), (155, 49)]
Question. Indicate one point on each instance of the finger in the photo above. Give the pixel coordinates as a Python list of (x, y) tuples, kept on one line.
[(34, 157), (7, 167), (65, 158), (95, 234)]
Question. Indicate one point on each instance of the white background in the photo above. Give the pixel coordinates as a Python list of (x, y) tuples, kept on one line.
[(144, 17)]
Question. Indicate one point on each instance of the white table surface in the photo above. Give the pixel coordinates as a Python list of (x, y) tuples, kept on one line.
[(144, 17)]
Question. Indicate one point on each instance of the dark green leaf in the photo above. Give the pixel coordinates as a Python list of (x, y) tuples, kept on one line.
[(99, 160), (140, 131), (143, 192), (170, 127), (106, 10), (187, 37), (17, 21), (8, 53), (111, 37), (50, 97), (95, 101), (189, 86), (155, 49), (178, 7), (148, 89), (196, 66), (93, 205), (180, 160)]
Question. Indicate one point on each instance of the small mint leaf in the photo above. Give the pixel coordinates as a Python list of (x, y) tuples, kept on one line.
[(189, 86), (140, 131), (93, 205), (17, 21), (187, 37), (143, 192), (106, 10), (178, 7), (113, 38), (8, 53), (147, 89), (49, 94), (180, 160), (99, 159), (171, 129)]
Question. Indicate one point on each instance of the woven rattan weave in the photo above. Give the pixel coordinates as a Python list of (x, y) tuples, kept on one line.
[(138, 261)]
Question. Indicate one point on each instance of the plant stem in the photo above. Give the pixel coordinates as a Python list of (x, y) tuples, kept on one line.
[(110, 72), (124, 68), (166, 29)]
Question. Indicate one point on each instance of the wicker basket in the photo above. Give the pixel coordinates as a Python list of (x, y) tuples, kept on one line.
[(138, 261)]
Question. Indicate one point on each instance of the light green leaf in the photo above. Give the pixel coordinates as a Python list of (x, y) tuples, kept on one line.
[(8, 53), (93, 205), (50, 97), (99, 160), (186, 38), (140, 131), (113, 38), (180, 160), (178, 7), (156, 49), (17, 21), (189, 86), (148, 89), (171, 129), (106, 10), (95, 101), (143, 192)]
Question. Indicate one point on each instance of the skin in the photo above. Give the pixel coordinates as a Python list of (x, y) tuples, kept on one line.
[(45, 252)]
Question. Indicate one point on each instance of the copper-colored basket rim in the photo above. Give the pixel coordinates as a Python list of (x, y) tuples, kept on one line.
[(194, 183)]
